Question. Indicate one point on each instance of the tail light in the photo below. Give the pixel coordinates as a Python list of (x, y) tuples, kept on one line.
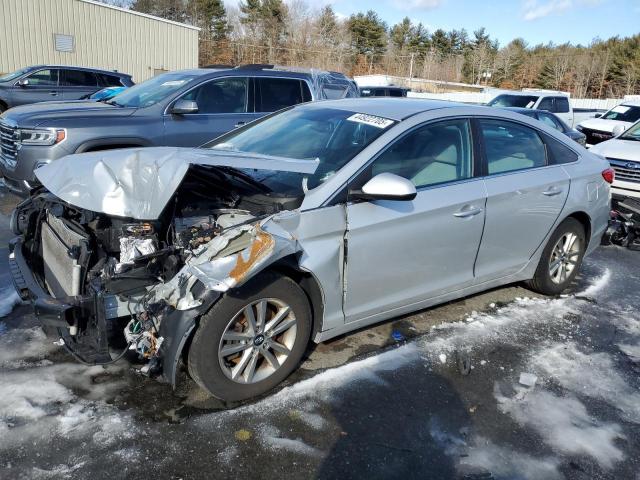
[(609, 175)]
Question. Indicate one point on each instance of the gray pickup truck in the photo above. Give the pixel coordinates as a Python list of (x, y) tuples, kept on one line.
[(183, 109)]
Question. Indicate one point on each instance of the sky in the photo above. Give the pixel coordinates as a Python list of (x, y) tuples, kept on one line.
[(537, 21)]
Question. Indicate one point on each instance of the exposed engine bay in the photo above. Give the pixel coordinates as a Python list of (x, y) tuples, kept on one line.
[(129, 285)]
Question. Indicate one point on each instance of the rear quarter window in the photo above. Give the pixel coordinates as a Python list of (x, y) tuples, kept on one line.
[(557, 152)]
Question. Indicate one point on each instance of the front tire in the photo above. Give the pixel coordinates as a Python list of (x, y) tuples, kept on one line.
[(561, 259), (252, 339)]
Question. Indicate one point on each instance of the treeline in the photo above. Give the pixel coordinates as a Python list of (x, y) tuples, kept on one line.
[(296, 33)]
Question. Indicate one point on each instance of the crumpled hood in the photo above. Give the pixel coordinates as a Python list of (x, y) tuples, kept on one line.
[(139, 182), (602, 125), (618, 149), (48, 113)]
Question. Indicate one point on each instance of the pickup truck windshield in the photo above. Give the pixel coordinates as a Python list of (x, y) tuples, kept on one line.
[(521, 101), (10, 76), (333, 136), (152, 91), (623, 113)]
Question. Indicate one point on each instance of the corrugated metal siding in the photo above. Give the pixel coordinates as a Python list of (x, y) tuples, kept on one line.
[(103, 38)]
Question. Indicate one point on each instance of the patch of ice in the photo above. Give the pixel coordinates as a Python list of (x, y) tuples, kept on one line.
[(17, 346), (443, 358), (631, 351), (485, 456), (313, 420), (9, 298), (59, 471), (270, 437), (228, 455), (590, 374), (565, 425), (598, 284), (528, 379)]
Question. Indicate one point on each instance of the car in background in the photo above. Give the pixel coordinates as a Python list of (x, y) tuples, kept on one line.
[(601, 128), (104, 94), (387, 91), (553, 121), (623, 153), (550, 101), (43, 83), (234, 256), (179, 109)]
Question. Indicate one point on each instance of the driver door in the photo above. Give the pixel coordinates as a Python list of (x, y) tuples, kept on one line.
[(223, 104), (43, 86), (401, 253)]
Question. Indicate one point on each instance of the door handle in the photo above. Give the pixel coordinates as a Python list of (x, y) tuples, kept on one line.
[(53, 93), (467, 212), (239, 124), (552, 192)]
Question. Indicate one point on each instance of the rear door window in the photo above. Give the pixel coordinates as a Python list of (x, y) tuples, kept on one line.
[(79, 78), (546, 104), (510, 146), (44, 78), (278, 93), (223, 95), (562, 105)]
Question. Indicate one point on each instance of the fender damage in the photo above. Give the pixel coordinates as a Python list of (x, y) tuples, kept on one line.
[(127, 249)]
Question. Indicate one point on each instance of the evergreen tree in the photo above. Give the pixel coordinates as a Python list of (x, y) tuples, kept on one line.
[(368, 35)]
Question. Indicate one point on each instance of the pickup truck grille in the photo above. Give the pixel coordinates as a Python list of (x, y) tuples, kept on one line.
[(596, 136), (626, 170), (8, 144)]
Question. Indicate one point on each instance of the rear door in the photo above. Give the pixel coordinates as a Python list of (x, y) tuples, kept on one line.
[(223, 104), (78, 83), (43, 86), (403, 252), (525, 195)]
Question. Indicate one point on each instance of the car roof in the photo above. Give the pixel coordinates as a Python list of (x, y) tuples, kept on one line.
[(87, 69), (392, 108)]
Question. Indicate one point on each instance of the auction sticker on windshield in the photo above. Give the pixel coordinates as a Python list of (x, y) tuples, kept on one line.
[(373, 120)]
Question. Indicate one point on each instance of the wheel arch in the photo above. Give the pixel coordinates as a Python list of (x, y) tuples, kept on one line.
[(585, 221), (289, 267), (112, 143)]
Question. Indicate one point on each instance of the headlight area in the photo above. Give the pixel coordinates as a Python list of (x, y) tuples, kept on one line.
[(41, 136)]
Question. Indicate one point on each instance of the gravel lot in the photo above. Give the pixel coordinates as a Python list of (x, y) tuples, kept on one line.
[(552, 392)]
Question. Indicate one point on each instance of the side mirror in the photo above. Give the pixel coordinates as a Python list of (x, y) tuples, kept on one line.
[(597, 115), (23, 83), (386, 186), (182, 107)]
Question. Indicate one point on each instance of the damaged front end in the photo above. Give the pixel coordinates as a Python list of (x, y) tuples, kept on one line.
[(108, 284)]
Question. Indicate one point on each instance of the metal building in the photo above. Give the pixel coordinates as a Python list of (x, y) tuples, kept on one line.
[(87, 33)]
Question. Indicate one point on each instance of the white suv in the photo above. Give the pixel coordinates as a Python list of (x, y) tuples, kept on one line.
[(601, 129), (623, 153)]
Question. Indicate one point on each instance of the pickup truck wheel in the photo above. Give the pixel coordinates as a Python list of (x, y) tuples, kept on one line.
[(252, 339), (561, 259)]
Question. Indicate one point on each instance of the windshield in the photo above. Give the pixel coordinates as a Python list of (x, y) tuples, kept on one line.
[(11, 76), (521, 101), (152, 91), (633, 133), (623, 113), (330, 135)]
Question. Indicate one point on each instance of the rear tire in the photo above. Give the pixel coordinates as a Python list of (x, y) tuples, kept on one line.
[(252, 339), (561, 259)]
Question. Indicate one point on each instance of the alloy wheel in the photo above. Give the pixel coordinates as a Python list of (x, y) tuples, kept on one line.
[(564, 257), (257, 340)]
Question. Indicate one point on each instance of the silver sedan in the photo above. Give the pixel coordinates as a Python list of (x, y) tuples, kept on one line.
[(320, 220)]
